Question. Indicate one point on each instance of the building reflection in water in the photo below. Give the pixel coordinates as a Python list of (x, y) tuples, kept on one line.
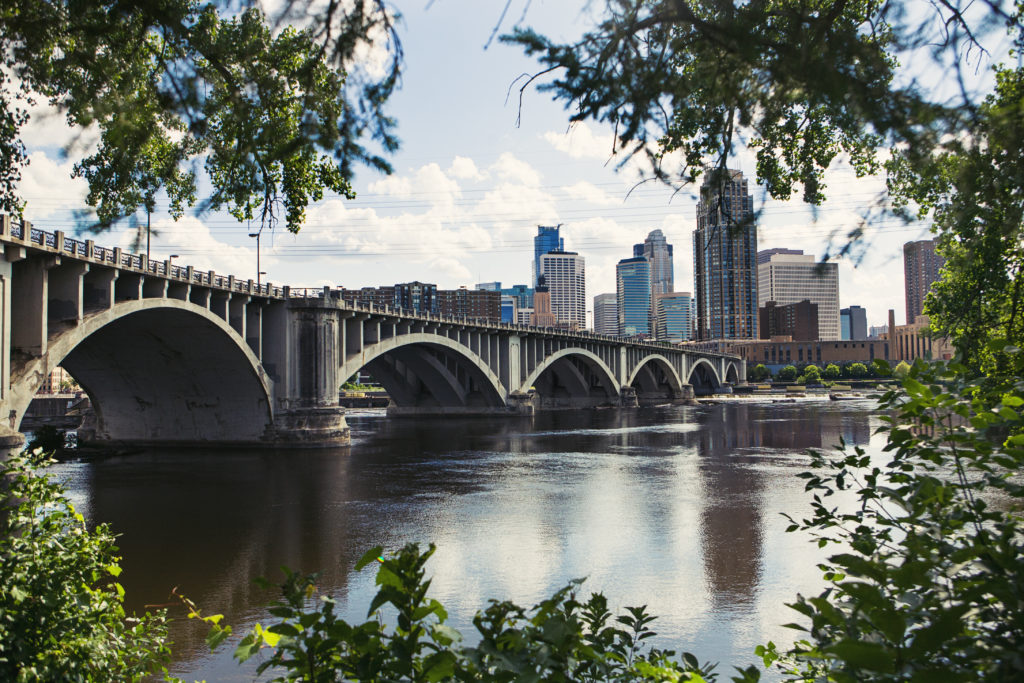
[(733, 442)]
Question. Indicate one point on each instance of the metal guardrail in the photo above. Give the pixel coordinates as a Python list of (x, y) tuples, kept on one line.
[(87, 249)]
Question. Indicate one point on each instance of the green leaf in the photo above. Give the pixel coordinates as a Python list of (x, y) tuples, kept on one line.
[(369, 556), (863, 655)]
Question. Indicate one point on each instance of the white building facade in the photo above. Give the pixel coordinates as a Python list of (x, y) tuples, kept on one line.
[(565, 274), (790, 278)]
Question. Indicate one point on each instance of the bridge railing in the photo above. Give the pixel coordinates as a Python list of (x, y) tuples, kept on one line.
[(87, 249)]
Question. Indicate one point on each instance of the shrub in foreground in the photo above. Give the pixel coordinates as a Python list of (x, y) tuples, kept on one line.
[(61, 608)]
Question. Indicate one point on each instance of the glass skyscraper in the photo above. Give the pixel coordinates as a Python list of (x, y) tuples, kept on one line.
[(633, 294), (547, 239), (658, 251), (673, 312), (725, 258)]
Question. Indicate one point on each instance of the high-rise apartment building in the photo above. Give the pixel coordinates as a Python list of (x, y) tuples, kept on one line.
[(419, 297), (606, 314), (788, 278), (547, 239), (854, 323), (921, 266), (565, 275), (724, 258), (633, 295), (658, 251), (673, 316)]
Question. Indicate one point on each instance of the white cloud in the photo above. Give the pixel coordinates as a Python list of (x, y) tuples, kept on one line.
[(581, 142), (590, 193), (511, 169), (463, 168), (48, 188)]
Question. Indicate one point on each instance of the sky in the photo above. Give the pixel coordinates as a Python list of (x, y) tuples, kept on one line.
[(473, 179)]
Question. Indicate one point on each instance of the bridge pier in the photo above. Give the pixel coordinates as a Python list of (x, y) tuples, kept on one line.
[(314, 427), (628, 397)]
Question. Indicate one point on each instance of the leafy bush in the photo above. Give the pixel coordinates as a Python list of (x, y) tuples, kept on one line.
[(560, 639), (811, 375), (832, 372), (788, 373), (758, 373), (901, 369), (61, 613), (928, 583), (857, 370)]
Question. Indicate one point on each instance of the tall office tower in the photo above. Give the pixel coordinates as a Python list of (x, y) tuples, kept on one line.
[(606, 314), (674, 316), (724, 258), (547, 239), (658, 251), (633, 294), (565, 274), (788, 278), (489, 286), (921, 267), (854, 321)]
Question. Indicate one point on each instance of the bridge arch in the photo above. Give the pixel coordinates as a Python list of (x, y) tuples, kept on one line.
[(429, 370), (704, 378), (732, 373), (158, 370), (655, 380), (573, 377)]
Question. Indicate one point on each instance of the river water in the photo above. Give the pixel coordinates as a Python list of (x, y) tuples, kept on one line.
[(675, 507)]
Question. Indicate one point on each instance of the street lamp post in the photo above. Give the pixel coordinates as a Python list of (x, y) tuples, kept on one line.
[(258, 271), (170, 264)]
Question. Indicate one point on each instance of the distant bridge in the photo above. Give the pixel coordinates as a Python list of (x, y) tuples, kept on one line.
[(172, 355)]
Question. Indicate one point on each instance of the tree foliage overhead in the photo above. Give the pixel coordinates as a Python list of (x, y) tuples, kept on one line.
[(798, 81), (276, 115)]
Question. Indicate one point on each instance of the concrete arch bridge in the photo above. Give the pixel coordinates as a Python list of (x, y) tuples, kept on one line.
[(172, 355)]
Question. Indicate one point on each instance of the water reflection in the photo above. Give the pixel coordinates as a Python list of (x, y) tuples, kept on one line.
[(670, 507)]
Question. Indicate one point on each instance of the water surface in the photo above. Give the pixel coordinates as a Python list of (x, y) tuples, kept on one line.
[(676, 507)]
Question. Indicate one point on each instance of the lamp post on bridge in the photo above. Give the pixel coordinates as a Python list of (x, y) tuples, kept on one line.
[(258, 271)]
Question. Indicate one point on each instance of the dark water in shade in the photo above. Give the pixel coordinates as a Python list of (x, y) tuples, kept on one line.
[(674, 507)]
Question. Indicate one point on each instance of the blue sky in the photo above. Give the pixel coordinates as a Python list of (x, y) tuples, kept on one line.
[(470, 186)]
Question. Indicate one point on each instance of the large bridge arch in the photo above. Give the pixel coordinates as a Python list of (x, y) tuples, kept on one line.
[(573, 377), (425, 370), (656, 380), (703, 377), (158, 370)]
